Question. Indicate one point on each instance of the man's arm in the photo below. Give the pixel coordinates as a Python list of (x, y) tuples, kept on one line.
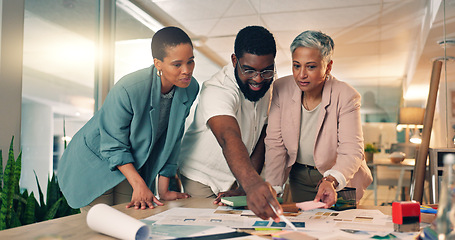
[(259, 193), (165, 194), (257, 160), (258, 155)]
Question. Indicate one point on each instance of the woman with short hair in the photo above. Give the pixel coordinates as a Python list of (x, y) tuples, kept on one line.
[(135, 136)]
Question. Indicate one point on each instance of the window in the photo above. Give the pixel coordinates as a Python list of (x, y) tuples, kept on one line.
[(58, 80)]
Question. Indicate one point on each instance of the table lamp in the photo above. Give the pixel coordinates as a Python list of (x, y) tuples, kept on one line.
[(411, 117)]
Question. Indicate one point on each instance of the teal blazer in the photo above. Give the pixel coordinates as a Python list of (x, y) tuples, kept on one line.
[(123, 131)]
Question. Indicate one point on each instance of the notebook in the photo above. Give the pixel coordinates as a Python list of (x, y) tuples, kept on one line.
[(240, 201)]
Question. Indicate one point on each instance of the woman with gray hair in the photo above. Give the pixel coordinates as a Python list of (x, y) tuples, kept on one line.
[(314, 133)]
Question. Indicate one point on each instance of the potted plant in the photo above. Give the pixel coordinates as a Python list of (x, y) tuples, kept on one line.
[(370, 150), (19, 208)]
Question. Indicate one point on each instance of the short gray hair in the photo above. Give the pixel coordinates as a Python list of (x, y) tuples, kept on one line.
[(315, 39)]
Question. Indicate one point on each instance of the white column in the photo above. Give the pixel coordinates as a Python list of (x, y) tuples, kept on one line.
[(37, 145)]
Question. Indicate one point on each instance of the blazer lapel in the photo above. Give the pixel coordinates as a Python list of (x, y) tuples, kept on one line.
[(176, 119), (326, 98), (295, 114), (154, 104)]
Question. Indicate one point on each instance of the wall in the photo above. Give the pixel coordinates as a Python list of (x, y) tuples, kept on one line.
[(12, 24)]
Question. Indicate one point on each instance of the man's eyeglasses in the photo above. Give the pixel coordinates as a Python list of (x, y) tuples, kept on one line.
[(265, 74)]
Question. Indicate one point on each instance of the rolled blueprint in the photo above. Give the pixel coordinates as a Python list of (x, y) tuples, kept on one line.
[(107, 220)]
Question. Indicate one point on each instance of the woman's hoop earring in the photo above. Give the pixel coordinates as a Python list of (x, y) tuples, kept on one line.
[(159, 73), (326, 76)]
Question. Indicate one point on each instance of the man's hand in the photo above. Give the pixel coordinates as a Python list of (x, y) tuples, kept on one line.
[(326, 193), (165, 194), (230, 193), (143, 198), (259, 198), (260, 195), (171, 195)]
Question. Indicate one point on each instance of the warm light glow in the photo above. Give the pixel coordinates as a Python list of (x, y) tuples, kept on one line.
[(415, 138), (130, 56), (417, 92), (74, 52), (58, 52), (400, 127)]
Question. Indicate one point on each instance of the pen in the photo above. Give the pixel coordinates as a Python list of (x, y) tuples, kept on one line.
[(284, 218)]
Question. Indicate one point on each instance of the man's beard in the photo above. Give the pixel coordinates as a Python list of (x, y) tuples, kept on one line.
[(249, 94)]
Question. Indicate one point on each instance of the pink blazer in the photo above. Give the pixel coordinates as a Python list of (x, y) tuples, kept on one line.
[(339, 138)]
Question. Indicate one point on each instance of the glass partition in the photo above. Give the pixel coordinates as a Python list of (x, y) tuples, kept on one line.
[(132, 39), (58, 79)]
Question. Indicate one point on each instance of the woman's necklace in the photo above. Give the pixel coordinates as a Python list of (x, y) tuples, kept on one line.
[(305, 104)]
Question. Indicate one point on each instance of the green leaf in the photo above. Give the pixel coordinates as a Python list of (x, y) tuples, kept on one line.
[(41, 195), (3, 209), (75, 211), (64, 209), (1, 170), (15, 222), (40, 211), (21, 208), (370, 148), (17, 172), (52, 191), (64, 133), (40, 208), (53, 210), (21, 205), (8, 190), (29, 216), (22, 197)]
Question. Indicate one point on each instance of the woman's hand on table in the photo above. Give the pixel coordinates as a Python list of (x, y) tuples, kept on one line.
[(326, 194), (143, 198)]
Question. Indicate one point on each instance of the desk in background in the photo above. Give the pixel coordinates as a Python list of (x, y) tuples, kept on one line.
[(406, 165)]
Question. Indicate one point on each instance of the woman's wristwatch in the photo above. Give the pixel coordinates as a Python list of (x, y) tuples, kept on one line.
[(332, 180)]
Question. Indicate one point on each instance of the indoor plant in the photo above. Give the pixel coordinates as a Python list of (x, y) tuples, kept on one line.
[(16, 208), (370, 150)]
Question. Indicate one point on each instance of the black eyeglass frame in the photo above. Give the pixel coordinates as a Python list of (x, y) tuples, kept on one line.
[(254, 73)]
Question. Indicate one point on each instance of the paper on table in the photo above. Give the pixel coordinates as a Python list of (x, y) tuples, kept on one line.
[(292, 235), (167, 231), (107, 220), (309, 205)]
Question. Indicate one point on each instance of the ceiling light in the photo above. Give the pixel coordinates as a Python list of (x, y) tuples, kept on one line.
[(448, 42), (139, 15), (199, 41), (448, 58)]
